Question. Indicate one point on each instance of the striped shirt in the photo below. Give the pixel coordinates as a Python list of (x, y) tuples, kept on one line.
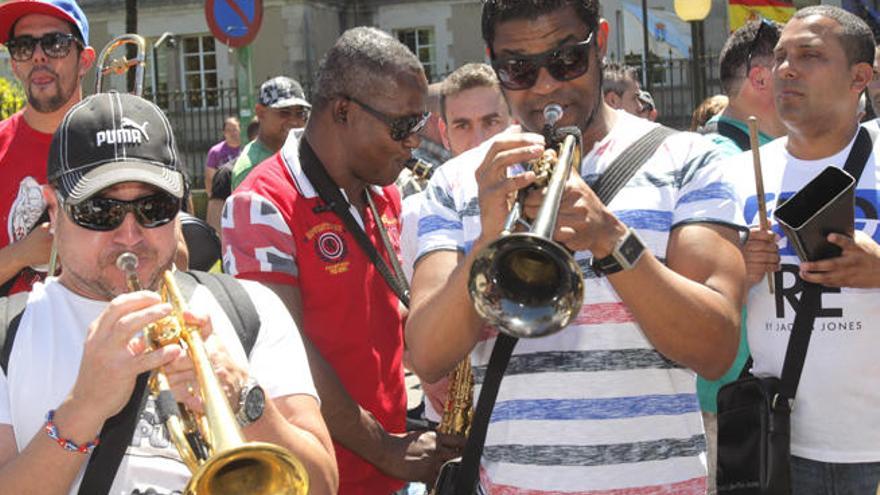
[(594, 409)]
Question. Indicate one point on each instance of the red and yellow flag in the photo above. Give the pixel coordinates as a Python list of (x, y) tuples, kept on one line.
[(742, 11)]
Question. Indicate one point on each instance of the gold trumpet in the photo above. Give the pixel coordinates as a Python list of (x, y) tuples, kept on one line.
[(524, 283), (211, 444)]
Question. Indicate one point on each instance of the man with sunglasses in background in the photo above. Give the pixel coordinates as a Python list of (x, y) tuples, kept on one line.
[(47, 42), (746, 64), (319, 224), (116, 187), (607, 405), (282, 107)]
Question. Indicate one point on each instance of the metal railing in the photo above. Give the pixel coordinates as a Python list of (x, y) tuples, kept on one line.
[(673, 88), (197, 117)]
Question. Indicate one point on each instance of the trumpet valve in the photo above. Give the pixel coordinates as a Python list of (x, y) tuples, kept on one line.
[(543, 167)]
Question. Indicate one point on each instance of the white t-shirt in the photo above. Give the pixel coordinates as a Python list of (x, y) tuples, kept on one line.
[(835, 411), (594, 407), (46, 357)]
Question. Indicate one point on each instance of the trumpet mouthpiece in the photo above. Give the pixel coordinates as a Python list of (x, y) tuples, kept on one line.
[(127, 262), (552, 114)]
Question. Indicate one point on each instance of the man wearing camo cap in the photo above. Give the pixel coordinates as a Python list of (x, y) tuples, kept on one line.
[(282, 107)]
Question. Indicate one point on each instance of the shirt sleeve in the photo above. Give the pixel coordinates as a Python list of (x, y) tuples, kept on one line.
[(213, 159), (706, 193), (257, 241), (409, 239), (278, 360), (5, 413), (440, 225)]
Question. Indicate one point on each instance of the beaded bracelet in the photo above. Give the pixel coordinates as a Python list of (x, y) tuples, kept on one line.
[(65, 443)]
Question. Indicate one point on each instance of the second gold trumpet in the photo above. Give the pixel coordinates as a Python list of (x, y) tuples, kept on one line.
[(222, 463)]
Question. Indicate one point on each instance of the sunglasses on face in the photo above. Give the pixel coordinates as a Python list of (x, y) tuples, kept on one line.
[(104, 214), (564, 64), (401, 127), (300, 113), (54, 45)]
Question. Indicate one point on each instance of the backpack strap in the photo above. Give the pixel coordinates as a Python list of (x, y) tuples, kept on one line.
[(232, 297), (11, 309)]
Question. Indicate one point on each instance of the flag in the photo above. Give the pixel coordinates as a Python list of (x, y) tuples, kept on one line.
[(741, 11)]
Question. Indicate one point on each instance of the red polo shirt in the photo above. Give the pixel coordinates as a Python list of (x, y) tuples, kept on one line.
[(273, 233)]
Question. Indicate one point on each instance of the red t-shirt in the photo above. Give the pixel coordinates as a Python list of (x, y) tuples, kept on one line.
[(24, 153), (272, 233)]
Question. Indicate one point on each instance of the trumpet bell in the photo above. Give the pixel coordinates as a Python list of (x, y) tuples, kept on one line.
[(526, 285), (254, 467)]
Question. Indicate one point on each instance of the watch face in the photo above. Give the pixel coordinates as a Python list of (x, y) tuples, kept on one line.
[(254, 403), (631, 248)]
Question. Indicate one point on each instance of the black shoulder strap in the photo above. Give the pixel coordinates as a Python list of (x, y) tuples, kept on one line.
[(621, 170), (799, 341), (117, 431), (329, 193), (232, 297), (733, 132), (115, 437), (11, 309), (609, 184)]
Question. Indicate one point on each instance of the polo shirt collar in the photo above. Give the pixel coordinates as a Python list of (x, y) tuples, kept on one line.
[(290, 157)]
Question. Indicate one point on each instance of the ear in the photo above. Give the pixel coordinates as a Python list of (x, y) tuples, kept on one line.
[(49, 195), (602, 37), (260, 111), (86, 61), (340, 110), (863, 74), (612, 99), (759, 78), (441, 124)]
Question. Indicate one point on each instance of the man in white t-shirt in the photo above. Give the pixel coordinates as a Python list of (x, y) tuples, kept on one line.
[(822, 62), (116, 188), (607, 404)]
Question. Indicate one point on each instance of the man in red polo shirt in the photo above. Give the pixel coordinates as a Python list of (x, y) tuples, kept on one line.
[(48, 45), (277, 229)]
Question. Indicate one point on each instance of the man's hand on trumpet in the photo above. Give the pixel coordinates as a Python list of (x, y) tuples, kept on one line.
[(497, 188), (114, 353), (182, 376), (583, 222)]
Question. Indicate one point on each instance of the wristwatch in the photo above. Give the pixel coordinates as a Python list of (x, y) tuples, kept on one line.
[(251, 402), (626, 254)]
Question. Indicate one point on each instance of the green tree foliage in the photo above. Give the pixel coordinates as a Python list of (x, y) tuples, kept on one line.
[(12, 98)]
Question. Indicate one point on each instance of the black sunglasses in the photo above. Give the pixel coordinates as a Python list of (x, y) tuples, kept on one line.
[(401, 127), (104, 214), (765, 25), (55, 45), (564, 64)]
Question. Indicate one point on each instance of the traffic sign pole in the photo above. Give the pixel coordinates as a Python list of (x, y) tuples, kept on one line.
[(245, 80)]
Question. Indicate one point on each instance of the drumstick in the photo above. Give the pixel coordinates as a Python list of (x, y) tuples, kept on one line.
[(759, 184)]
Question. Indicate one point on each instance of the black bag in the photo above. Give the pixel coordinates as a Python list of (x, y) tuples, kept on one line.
[(754, 443), (753, 437)]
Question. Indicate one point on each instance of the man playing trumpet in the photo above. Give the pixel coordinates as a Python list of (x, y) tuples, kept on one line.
[(115, 187), (608, 403)]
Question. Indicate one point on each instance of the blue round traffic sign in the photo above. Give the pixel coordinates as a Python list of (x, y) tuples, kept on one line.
[(234, 22)]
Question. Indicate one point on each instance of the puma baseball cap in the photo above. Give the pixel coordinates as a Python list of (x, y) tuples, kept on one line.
[(110, 138)]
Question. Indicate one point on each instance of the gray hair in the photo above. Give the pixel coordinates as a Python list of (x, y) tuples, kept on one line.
[(361, 60)]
